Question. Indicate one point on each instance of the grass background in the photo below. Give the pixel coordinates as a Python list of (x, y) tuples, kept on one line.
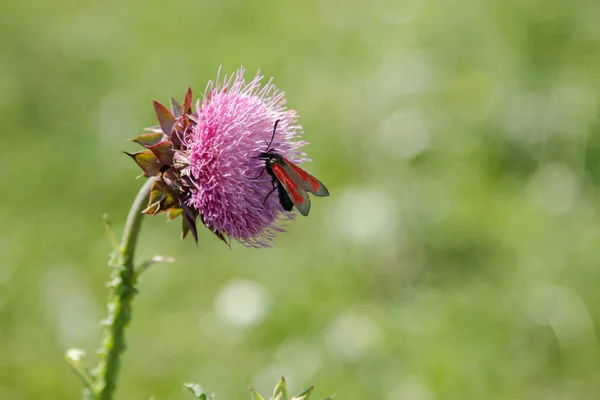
[(457, 257)]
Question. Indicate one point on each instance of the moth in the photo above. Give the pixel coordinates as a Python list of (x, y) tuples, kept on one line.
[(291, 182)]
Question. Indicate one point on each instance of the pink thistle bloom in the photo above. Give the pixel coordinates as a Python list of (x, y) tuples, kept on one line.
[(206, 159), (235, 123)]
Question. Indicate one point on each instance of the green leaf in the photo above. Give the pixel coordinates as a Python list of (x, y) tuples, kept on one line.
[(140, 269), (110, 233), (165, 118), (280, 390), (147, 161)]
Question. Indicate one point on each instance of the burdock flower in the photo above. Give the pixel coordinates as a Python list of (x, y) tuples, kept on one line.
[(205, 159)]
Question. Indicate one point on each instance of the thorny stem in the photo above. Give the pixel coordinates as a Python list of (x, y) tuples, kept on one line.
[(122, 291)]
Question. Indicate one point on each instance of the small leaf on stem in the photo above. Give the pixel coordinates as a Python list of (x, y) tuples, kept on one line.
[(155, 259), (74, 357), (110, 233), (197, 391)]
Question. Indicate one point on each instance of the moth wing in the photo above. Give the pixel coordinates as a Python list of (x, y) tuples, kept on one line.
[(292, 184), (284, 198), (306, 180)]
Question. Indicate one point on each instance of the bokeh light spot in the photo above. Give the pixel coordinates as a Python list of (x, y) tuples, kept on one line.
[(351, 335), (241, 303)]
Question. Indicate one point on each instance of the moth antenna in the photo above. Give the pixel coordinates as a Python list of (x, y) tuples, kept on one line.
[(273, 136)]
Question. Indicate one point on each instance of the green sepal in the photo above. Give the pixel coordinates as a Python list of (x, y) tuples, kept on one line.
[(162, 199), (154, 129), (186, 107), (180, 161), (165, 118), (175, 107), (185, 227), (170, 177), (183, 123), (170, 199), (156, 194), (189, 217), (163, 151), (254, 395), (305, 395), (218, 234), (280, 392), (152, 209), (149, 139), (147, 161), (174, 213)]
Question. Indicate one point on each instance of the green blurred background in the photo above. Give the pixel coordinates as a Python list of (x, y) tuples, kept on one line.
[(457, 257)]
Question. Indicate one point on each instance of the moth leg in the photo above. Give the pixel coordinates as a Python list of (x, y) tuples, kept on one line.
[(270, 193), (259, 175)]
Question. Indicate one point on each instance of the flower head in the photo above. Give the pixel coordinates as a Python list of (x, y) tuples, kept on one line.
[(205, 159), (281, 393)]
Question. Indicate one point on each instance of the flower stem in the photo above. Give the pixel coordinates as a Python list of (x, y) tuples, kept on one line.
[(122, 291)]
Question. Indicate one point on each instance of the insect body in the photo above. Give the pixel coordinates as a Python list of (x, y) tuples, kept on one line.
[(291, 182)]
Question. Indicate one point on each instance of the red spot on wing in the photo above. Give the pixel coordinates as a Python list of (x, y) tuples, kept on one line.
[(289, 184), (310, 183)]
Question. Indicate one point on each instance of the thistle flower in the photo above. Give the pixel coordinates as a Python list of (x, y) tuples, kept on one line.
[(281, 393), (205, 159)]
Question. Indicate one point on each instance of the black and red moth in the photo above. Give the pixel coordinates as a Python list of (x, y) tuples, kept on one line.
[(291, 182)]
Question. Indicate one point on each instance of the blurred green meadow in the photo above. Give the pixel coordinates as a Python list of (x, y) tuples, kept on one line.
[(458, 256)]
